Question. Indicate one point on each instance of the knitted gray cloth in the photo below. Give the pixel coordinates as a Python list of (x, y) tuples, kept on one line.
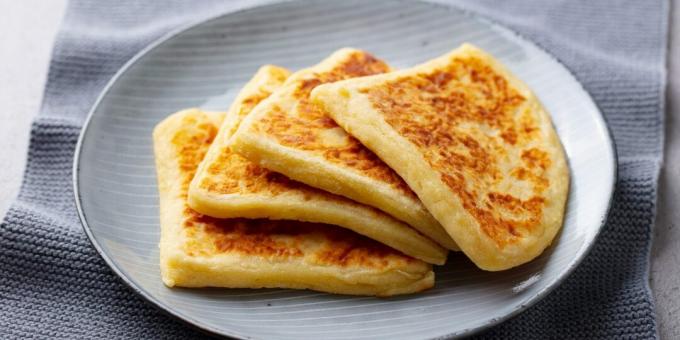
[(53, 283)]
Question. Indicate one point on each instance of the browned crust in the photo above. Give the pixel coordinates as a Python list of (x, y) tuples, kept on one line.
[(305, 130), (431, 108), (273, 239)]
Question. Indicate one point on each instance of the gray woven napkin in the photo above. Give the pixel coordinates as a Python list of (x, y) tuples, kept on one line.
[(53, 283)]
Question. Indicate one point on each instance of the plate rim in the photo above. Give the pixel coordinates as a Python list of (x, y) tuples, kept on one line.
[(197, 324)]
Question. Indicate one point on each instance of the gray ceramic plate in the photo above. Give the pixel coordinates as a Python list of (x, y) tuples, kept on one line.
[(206, 64)]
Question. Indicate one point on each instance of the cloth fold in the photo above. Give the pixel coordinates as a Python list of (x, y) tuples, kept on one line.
[(54, 284)]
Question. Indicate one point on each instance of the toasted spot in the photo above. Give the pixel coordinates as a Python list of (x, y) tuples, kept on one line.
[(310, 128), (247, 105), (349, 250), (280, 240), (231, 173), (463, 118), (325, 244), (536, 158), (261, 238), (528, 125), (191, 144)]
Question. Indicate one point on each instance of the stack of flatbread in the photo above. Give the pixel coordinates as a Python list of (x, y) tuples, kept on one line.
[(350, 177)]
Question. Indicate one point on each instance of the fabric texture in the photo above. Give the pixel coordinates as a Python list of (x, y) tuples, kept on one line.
[(53, 284)]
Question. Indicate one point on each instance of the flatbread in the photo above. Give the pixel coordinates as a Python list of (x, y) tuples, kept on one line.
[(473, 142), (286, 134), (228, 185), (200, 251)]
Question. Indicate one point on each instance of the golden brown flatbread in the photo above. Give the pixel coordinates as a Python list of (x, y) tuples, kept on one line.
[(228, 185), (289, 135), (472, 141), (200, 251)]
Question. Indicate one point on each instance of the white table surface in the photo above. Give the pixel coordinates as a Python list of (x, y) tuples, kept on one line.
[(27, 32)]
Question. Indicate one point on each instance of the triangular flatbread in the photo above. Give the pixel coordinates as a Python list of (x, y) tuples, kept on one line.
[(228, 185), (473, 142), (200, 251), (286, 134)]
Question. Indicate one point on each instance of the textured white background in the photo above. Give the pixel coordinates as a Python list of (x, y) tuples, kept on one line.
[(27, 32)]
